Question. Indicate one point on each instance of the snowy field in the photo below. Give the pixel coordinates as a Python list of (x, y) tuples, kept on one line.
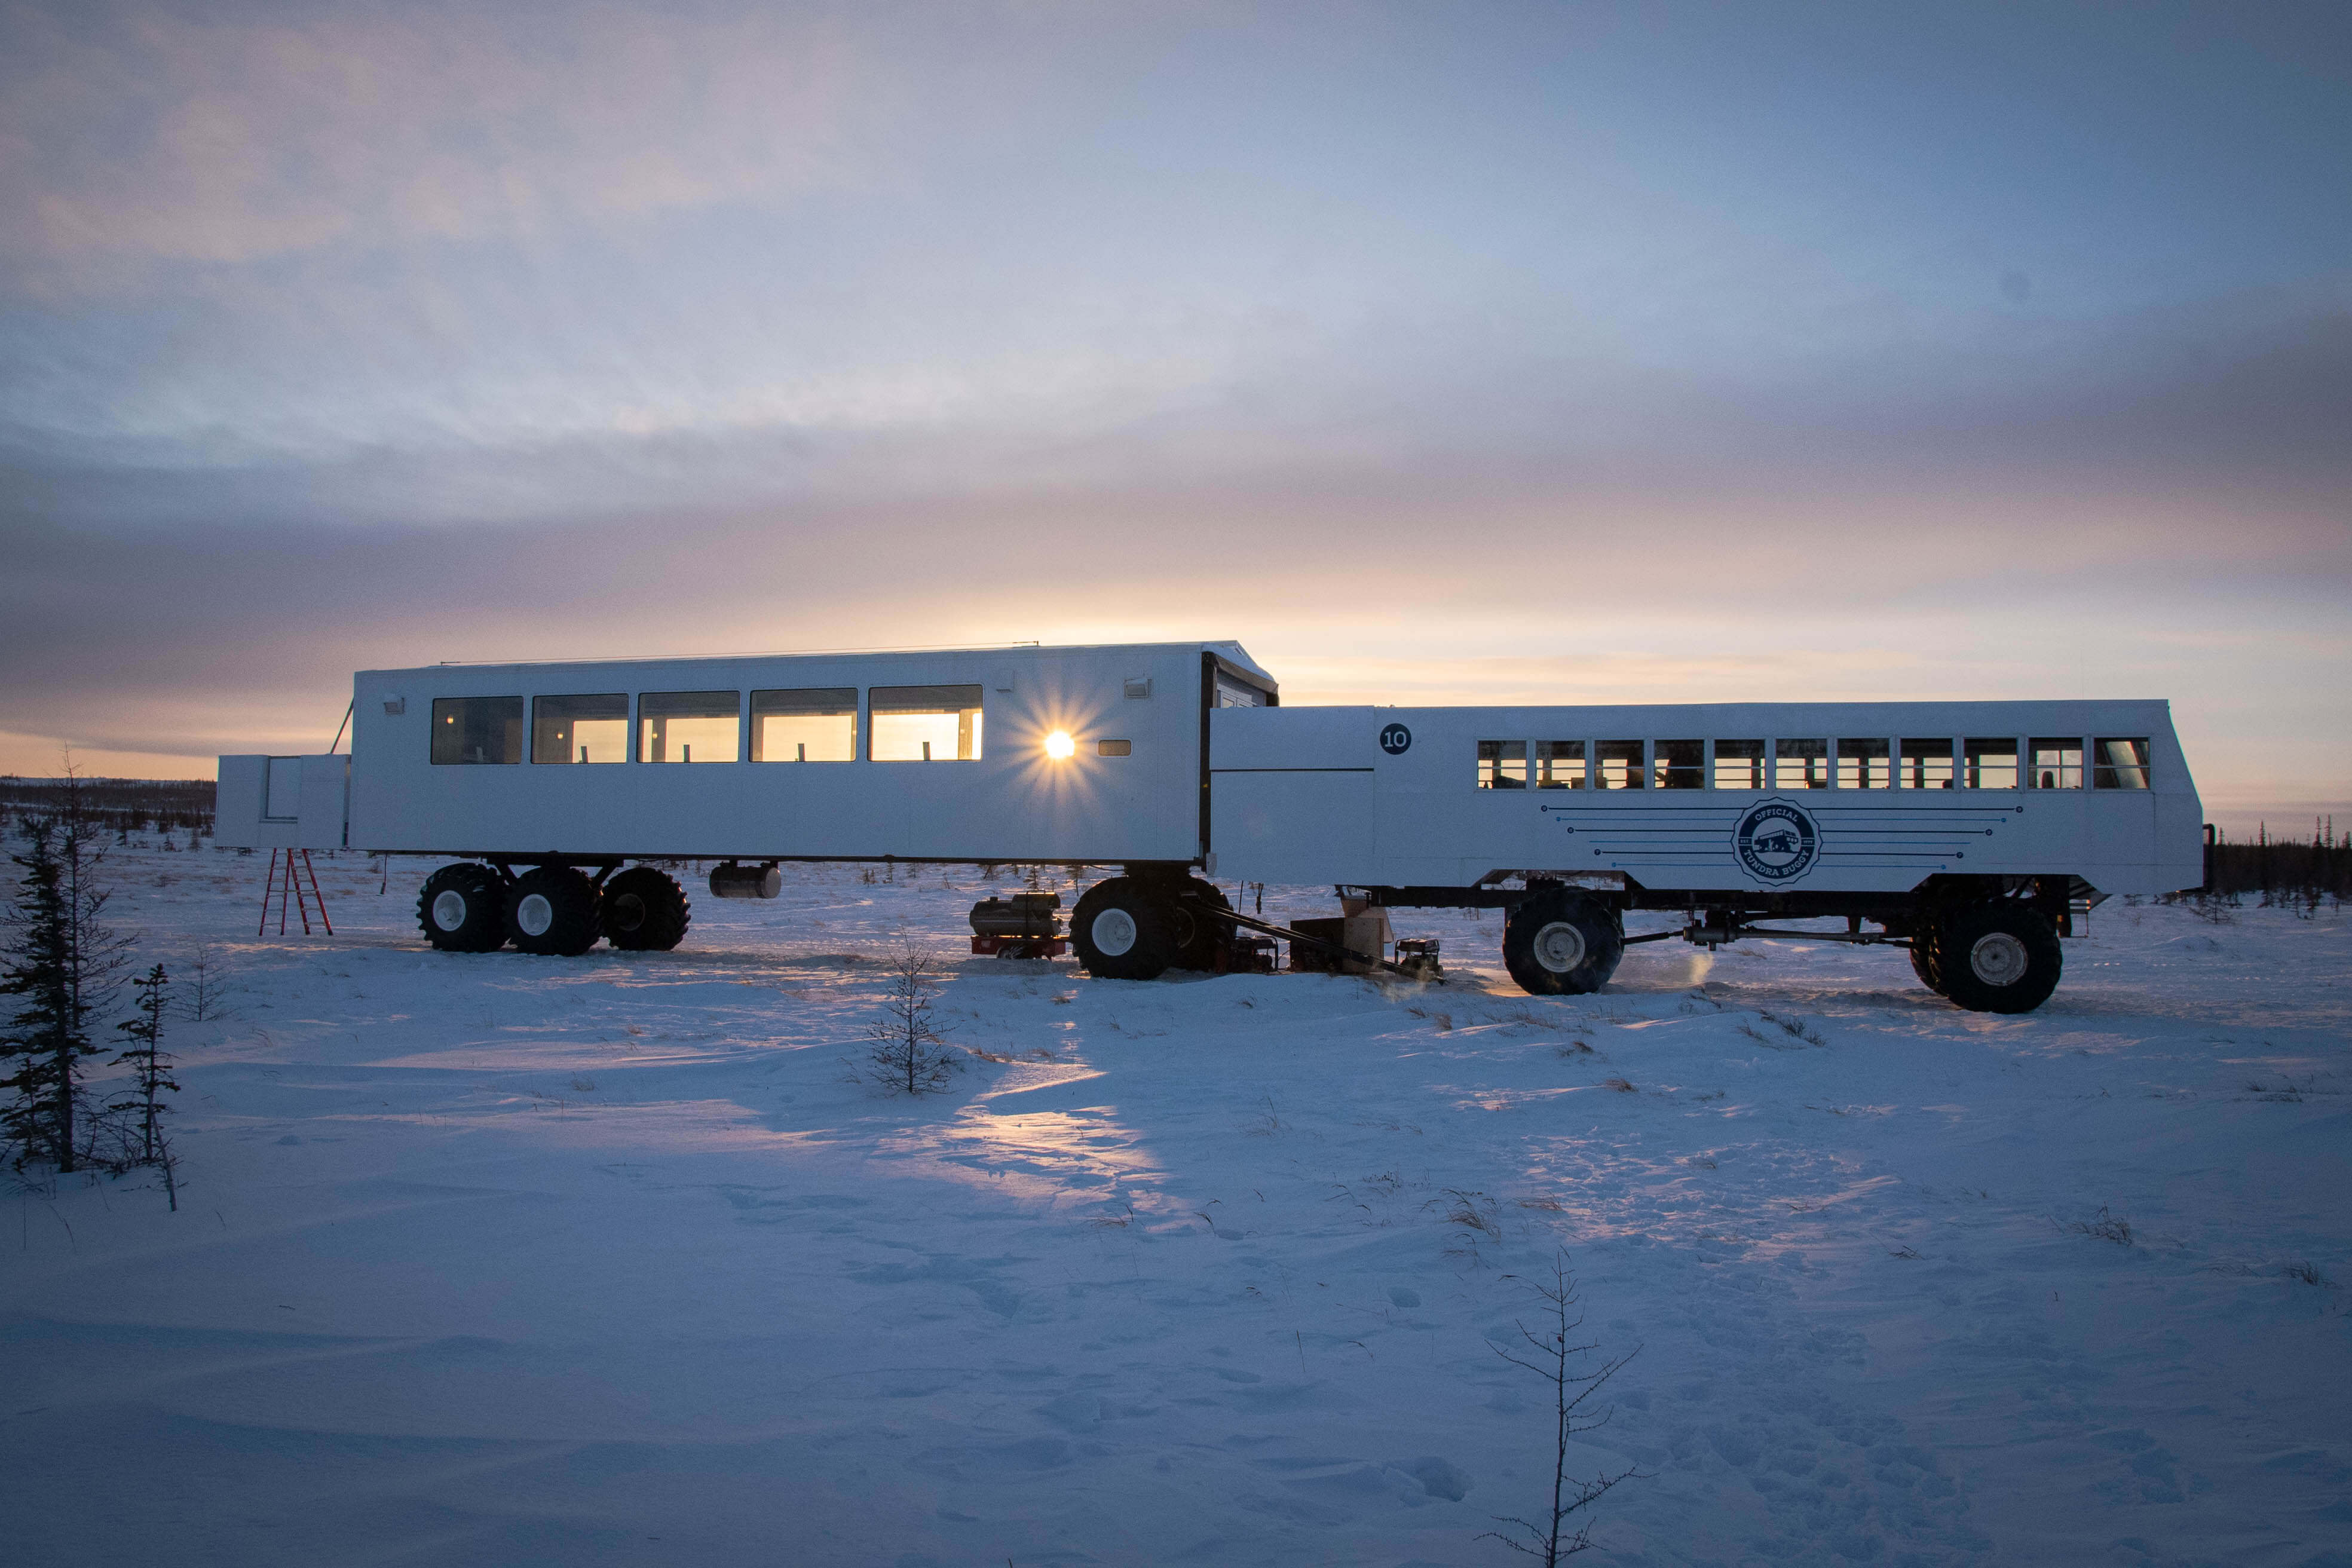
[(499, 1260)]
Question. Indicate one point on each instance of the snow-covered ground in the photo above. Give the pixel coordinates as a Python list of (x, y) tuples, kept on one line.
[(511, 1260)]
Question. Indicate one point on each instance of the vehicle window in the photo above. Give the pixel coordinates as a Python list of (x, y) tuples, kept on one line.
[(924, 723), (1678, 764), (1864, 764), (1235, 693), (1739, 764), (474, 729), (818, 724), (1559, 764), (1989, 764), (582, 729), (1617, 764), (1801, 764), (1927, 762), (2057, 763), (2120, 764), (689, 726), (1502, 764)]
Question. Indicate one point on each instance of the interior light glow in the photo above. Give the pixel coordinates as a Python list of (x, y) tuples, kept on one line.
[(1059, 746)]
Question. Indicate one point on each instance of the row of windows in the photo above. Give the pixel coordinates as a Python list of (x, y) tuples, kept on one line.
[(1869, 763), (904, 724)]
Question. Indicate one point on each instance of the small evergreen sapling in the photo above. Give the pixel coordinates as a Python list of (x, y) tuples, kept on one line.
[(907, 1055), (151, 1078)]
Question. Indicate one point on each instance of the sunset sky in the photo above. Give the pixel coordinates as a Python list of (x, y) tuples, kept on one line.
[(1435, 352)]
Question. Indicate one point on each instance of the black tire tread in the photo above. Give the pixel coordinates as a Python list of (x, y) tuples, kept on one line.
[(666, 911), (1604, 943), (485, 930), (572, 893), (1960, 931), (1154, 952)]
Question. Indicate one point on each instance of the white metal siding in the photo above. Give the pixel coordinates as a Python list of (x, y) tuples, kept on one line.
[(1431, 823), (1011, 803)]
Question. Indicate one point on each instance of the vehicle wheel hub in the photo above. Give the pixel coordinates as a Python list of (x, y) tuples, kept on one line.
[(1114, 932), (1560, 947), (534, 915), (1997, 959), (449, 910)]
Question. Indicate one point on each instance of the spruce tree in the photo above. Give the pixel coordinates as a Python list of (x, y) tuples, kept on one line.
[(150, 1068), (42, 1042), (64, 967)]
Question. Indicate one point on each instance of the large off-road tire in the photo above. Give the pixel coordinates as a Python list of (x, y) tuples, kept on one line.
[(1999, 958), (551, 912), (644, 910), (463, 908), (1201, 939), (1562, 943), (1120, 930), (1926, 963)]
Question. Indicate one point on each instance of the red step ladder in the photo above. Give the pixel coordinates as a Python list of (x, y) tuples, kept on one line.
[(294, 884)]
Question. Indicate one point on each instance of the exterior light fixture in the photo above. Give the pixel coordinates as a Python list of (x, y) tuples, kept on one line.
[(1059, 746)]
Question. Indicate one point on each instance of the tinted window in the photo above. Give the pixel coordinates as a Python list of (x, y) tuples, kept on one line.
[(1617, 764), (1679, 764), (818, 724), (1739, 764), (2120, 764), (1863, 763), (1989, 764), (924, 723), (471, 730), (593, 729), (1559, 764), (2057, 763), (1502, 764), (1801, 764), (689, 726), (1925, 762)]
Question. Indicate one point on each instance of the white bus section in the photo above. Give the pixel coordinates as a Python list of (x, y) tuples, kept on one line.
[(1973, 834)]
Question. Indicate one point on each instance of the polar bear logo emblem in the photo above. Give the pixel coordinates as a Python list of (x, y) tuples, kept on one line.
[(1777, 840)]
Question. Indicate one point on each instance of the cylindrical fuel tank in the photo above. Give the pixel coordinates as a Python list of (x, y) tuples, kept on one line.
[(1023, 914), (733, 881)]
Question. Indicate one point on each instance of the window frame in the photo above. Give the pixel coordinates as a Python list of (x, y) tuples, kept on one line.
[(2032, 754), (2101, 768), (1825, 757), (628, 726), (1507, 752), (1545, 756), (1885, 755), (1970, 768), (639, 720), (1637, 765), (521, 721), (1949, 757), (1759, 769), (751, 717), (978, 708)]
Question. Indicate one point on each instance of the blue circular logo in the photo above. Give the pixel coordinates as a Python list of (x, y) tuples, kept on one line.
[(1396, 740), (1777, 840)]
